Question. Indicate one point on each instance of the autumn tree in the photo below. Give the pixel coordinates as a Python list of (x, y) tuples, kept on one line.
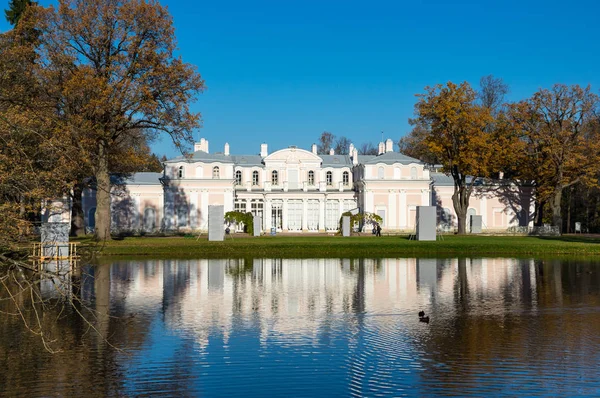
[(367, 148), (342, 146), (35, 160), (325, 143), (454, 127), (414, 144), (16, 8), (492, 92), (110, 68), (562, 143)]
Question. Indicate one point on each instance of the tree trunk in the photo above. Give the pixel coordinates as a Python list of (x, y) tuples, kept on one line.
[(568, 229), (460, 199), (555, 207), (539, 213), (77, 218), (102, 195)]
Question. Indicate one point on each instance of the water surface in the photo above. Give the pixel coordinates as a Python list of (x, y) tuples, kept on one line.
[(321, 327)]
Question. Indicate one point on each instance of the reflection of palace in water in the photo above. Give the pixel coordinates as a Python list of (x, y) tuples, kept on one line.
[(294, 297)]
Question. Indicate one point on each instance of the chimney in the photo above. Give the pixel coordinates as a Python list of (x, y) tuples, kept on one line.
[(381, 148), (351, 150), (197, 147), (354, 156), (226, 150), (331, 151), (389, 145), (313, 148), (263, 150), (204, 144)]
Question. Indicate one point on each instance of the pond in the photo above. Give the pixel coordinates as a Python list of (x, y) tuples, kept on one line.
[(310, 327)]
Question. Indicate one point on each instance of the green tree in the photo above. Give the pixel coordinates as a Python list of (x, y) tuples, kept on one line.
[(16, 8)]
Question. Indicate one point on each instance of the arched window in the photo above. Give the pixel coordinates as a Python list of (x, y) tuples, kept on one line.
[(180, 172), (413, 173), (274, 177), (255, 178), (311, 178), (329, 178), (346, 178), (216, 173), (238, 177)]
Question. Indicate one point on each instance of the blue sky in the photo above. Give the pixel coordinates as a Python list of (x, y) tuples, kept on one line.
[(282, 72)]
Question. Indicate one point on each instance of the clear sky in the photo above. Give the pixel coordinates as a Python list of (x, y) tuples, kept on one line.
[(284, 71)]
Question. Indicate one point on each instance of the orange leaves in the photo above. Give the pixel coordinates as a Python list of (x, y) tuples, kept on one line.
[(456, 128)]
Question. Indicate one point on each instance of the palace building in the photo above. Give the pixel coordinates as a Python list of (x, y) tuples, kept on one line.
[(297, 190)]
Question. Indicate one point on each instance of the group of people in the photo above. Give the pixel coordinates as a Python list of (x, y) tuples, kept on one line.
[(377, 229)]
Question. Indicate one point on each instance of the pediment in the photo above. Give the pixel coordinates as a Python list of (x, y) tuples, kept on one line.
[(292, 156)]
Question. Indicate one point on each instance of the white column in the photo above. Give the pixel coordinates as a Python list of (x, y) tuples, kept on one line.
[(204, 209), (321, 214), (228, 200), (194, 224), (267, 215), (393, 217), (369, 207), (341, 207), (284, 215), (483, 208), (425, 197), (403, 209), (304, 214)]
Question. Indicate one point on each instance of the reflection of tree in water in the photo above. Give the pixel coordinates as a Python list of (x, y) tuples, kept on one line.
[(530, 325)]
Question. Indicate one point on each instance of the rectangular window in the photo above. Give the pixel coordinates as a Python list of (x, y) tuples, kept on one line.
[(294, 215), (332, 215), (312, 221)]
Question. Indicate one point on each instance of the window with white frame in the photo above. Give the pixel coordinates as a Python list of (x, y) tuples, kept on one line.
[(332, 215), (311, 178), (312, 210), (294, 219), (329, 178), (238, 177), (346, 178), (255, 178), (275, 177), (256, 207), (413, 173), (216, 173), (380, 172), (240, 205)]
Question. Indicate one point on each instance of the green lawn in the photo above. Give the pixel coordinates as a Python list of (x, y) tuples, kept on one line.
[(323, 246)]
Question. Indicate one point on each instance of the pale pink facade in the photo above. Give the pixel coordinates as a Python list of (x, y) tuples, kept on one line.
[(295, 190)]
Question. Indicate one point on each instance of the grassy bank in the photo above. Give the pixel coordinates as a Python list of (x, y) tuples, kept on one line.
[(323, 246)]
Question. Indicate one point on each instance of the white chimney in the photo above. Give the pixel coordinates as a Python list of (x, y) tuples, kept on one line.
[(354, 156), (313, 148), (226, 150), (331, 151), (381, 148), (263, 150), (351, 150), (202, 145), (389, 145)]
